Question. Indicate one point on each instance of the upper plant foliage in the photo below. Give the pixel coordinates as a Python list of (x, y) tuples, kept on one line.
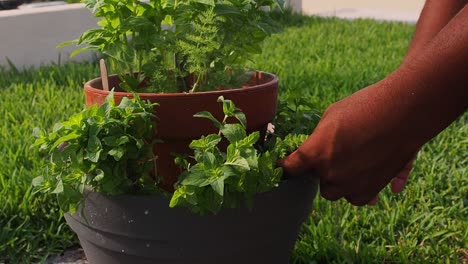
[(106, 148), (190, 45)]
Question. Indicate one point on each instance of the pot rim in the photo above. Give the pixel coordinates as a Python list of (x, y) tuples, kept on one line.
[(283, 183), (89, 86)]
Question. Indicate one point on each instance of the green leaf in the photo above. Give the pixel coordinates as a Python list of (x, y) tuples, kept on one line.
[(57, 127), (117, 153), (94, 148), (69, 137), (126, 103), (225, 10), (183, 196), (110, 101), (229, 108), (37, 133), (137, 21), (99, 175), (239, 162), (38, 181), (113, 141), (81, 50), (205, 142), (233, 132), (58, 188), (280, 4), (218, 186), (93, 129), (249, 141), (91, 35), (167, 20), (208, 159), (230, 171), (67, 43), (197, 178), (250, 154), (206, 2), (208, 115), (242, 119)]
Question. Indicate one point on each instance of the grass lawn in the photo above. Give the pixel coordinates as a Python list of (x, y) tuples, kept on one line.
[(318, 61)]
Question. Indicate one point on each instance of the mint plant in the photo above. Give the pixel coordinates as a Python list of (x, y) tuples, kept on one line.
[(217, 179), (106, 149), (175, 46)]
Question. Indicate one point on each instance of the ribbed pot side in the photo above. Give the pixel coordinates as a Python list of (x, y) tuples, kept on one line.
[(143, 229)]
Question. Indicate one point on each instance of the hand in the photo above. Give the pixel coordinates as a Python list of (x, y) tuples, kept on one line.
[(399, 182), (359, 147)]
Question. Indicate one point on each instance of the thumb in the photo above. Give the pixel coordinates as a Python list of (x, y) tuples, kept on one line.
[(296, 164)]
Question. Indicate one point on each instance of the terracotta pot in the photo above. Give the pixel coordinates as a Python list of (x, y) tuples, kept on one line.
[(143, 229), (177, 127)]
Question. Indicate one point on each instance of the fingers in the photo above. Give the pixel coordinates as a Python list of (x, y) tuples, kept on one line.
[(297, 163), (329, 192), (399, 182), (361, 200), (332, 193), (374, 201)]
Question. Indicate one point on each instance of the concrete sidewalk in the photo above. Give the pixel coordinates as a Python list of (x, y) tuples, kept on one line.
[(396, 10)]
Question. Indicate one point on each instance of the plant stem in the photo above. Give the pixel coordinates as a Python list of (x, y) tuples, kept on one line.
[(223, 123)]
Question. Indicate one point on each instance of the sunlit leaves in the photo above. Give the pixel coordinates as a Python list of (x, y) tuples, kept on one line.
[(218, 179), (107, 148), (165, 41)]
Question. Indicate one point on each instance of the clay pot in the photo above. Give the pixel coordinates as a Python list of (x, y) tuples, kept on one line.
[(177, 127), (144, 230)]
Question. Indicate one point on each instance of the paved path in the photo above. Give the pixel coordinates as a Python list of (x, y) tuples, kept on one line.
[(395, 10)]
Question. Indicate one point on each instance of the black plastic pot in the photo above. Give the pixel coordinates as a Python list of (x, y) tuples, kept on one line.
[(143, 229)]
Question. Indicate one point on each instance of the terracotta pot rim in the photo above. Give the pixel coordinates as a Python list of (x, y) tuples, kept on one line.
[(89, 86)]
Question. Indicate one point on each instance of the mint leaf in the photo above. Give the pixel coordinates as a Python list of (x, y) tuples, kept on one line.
[(229, 108), (117, 153), (239, 162), (58, 188), (94, 148), (208, 115), (37, 181), (248, 141), (71, 136), (242, 119), (218, 186), (233, 132), (205, 142), (113, 141), (99, 175)]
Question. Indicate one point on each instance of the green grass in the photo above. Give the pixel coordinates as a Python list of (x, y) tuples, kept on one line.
[(318, 61)]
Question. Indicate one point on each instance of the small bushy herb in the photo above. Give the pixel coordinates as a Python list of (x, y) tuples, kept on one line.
[(218, 179), (105, 148), (297, 114), (285, 146)]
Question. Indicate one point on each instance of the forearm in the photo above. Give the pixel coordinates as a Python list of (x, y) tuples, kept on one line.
[(431, 90), (434, 16)]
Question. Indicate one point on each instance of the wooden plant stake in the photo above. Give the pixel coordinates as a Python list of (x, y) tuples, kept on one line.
[(104, 76)]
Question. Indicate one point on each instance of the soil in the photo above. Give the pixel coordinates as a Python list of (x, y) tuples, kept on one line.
[(70, 256)]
